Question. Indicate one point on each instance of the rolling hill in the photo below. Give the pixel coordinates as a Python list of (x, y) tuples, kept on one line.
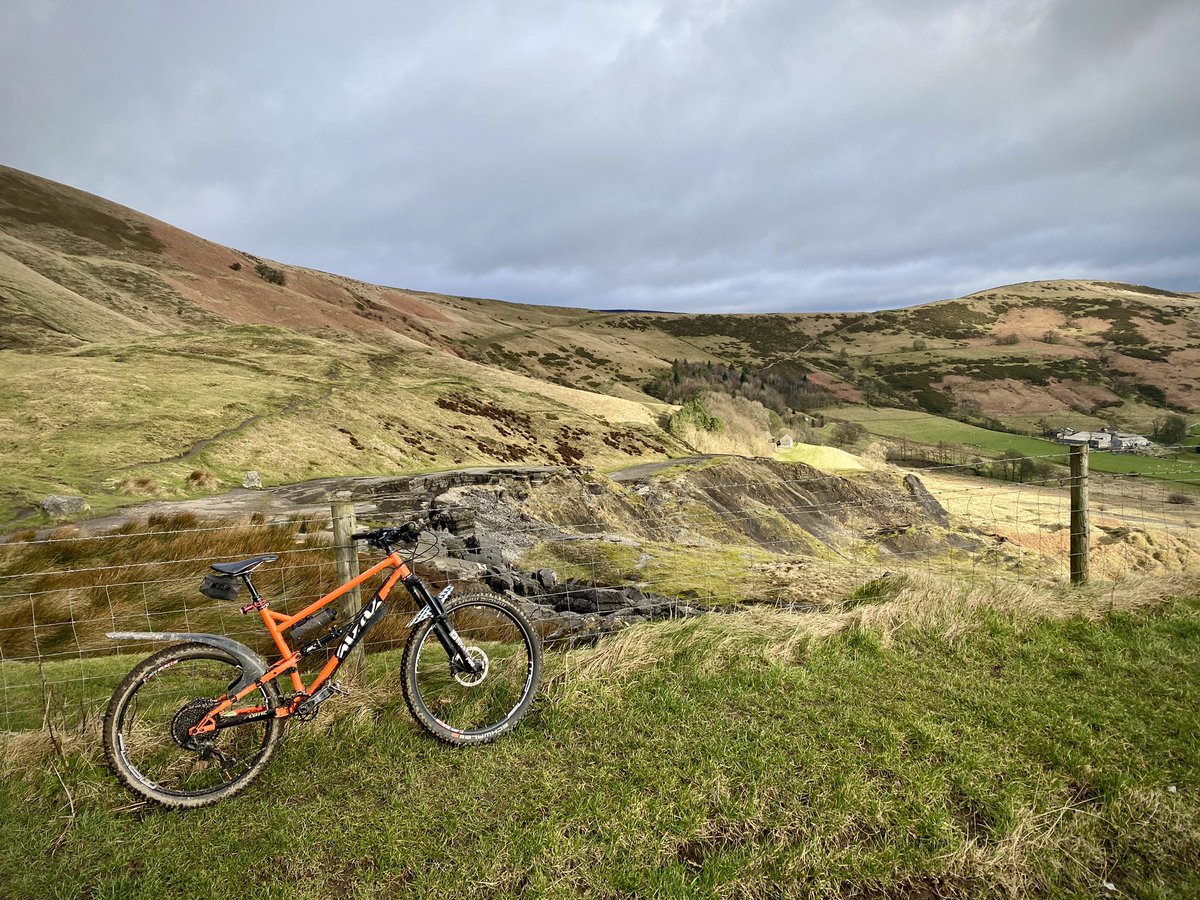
[(139, 360)]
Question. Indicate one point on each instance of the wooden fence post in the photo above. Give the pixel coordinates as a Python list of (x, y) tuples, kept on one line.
[(1080, 531), (345, 555)]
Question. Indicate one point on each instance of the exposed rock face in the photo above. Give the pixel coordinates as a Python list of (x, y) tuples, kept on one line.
[(574, 611), (56, 505), (489, 521), (252, 481), (926, 500), (584, 613)]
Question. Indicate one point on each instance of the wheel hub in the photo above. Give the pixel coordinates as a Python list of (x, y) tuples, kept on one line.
[(468, 679)]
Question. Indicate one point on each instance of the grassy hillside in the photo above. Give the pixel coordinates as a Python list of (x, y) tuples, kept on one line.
[(89, 269), (135, 419), (1059, 350), (1002, 747), (139, 360)]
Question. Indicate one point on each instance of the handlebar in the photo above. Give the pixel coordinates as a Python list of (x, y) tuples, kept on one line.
[(386, 538)]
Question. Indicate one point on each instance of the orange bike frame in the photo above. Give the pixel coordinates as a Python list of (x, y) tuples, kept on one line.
[(277, 624)]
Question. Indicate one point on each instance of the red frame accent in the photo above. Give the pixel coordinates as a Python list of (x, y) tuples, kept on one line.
[(278, 623)]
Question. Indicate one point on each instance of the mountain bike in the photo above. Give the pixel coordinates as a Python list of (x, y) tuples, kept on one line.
[(198, 721)]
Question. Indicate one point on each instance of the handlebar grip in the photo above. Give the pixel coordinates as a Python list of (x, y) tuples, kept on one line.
[(361, 535)]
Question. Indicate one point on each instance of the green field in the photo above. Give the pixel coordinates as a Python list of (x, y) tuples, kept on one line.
[(924, 428), (727, 756)]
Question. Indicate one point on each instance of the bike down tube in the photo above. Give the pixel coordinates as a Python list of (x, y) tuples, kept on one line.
[(370, 613), (277, 623)]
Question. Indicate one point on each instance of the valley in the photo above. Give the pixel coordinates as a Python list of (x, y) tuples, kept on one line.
[(139, 361), (802, 579)]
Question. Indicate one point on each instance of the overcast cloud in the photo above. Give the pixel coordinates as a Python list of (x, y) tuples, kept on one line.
[(736, 156)]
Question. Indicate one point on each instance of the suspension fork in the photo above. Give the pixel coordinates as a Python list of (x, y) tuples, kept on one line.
[(460, 659)]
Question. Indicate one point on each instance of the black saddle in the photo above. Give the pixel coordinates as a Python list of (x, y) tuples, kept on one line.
[(245, 566)]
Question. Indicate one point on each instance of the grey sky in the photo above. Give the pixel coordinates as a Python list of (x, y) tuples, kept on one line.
[(744, 156)]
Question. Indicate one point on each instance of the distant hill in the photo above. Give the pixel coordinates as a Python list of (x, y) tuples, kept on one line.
[(133, 353)]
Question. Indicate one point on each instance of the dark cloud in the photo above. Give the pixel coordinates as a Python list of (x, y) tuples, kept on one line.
[(688, 155)]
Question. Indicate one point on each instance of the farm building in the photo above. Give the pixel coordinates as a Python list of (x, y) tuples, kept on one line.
[(1104, 439)]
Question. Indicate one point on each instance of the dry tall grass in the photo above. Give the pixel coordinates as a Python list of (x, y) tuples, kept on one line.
[(946, 605), (59, 597)]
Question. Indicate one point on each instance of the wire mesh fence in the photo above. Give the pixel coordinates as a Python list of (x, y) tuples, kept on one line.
[(584, 556)]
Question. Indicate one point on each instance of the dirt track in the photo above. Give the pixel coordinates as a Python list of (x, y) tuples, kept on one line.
[(383, 495)]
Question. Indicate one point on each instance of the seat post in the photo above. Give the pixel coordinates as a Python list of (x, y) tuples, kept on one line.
[(258, 601)]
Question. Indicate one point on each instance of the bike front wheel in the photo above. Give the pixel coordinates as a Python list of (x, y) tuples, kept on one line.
[(463, 707), (145, 728)]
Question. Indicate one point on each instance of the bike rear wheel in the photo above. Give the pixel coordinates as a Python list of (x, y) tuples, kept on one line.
[(145, 728), (463, 708)]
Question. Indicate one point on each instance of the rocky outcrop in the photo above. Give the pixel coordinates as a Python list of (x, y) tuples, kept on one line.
[(926, 500), (573, 612), (489, 522)]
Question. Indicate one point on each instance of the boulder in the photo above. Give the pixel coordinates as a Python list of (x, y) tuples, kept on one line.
[(252, 481), (455, 569), (455, 545), (57, 505), (574, 630), (455, 519), (499, 580), (526, 585), (580, 598), (482, 547)]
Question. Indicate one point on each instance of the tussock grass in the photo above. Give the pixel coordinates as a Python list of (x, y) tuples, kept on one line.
[(895, 608), (952, 606)]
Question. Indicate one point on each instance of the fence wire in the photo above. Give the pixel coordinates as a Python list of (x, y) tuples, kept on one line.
[(806, 542)]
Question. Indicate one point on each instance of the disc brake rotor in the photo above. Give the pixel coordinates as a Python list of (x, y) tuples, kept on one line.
[(467, 679)]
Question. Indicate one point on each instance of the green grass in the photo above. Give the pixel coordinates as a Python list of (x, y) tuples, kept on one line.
[(700, 759), (924, 428), (117, 410)]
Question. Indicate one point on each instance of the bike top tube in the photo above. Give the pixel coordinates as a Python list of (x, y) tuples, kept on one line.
[(392, 561)]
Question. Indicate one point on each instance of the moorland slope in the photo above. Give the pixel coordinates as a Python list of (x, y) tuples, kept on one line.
[(139, 360)]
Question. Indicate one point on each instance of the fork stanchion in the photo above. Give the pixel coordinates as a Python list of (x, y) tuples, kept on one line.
[(345, 556)]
